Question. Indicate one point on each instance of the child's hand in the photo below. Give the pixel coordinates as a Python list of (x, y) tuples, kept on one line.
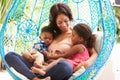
[(45, 52), (58, 52), (28, 56), (33, 52)]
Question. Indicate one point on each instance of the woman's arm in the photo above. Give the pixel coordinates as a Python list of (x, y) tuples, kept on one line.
[(92, 58)]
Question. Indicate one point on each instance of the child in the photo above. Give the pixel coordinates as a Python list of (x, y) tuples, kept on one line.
[(35, 55), (82, 39)]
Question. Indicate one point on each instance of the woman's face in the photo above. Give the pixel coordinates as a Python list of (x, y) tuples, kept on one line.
[(62, 22)]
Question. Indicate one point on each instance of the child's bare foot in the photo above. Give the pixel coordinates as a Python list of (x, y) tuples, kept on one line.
[(47, 78), (37, 70), (38, 65), (36, 78)]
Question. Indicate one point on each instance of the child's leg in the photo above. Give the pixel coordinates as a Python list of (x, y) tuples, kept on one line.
[(38, 71), (47, 78), (50, 65), (43, 70), (39, 59)]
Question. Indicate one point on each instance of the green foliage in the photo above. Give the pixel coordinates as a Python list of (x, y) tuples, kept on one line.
[(4, 7), (117, 14)]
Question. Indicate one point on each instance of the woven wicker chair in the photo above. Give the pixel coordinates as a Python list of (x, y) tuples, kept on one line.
[(22, 27)]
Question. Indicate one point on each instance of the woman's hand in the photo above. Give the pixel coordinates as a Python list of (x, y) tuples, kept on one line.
[(78, 67), (92, 58), (28, 56), (86, 64)]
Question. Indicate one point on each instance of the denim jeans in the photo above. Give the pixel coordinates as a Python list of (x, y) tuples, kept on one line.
[(61, 71)]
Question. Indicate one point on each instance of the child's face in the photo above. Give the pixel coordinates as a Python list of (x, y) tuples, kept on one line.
[(47, 37), (75, 38)]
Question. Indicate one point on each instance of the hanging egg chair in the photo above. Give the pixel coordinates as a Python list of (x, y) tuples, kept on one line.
[(23, 22)]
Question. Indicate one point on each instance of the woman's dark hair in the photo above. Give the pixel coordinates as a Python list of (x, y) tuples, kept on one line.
[(56, 9), (85, 32), (47, 29)]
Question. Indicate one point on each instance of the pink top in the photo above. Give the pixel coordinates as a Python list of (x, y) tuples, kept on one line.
[(79, 57)]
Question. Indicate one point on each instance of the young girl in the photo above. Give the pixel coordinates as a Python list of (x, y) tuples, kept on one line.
[(82, 39)]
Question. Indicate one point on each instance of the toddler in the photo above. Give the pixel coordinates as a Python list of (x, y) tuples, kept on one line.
[(35, 54)]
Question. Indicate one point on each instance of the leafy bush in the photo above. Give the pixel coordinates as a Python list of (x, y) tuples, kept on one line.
[(117, 15)]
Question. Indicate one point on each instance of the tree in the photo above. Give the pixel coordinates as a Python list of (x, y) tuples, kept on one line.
[(4, 7)]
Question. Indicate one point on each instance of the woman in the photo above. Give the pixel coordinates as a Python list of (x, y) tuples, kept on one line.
[(60, 17)]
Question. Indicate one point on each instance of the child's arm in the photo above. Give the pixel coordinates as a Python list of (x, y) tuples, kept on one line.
[(75, 49)]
